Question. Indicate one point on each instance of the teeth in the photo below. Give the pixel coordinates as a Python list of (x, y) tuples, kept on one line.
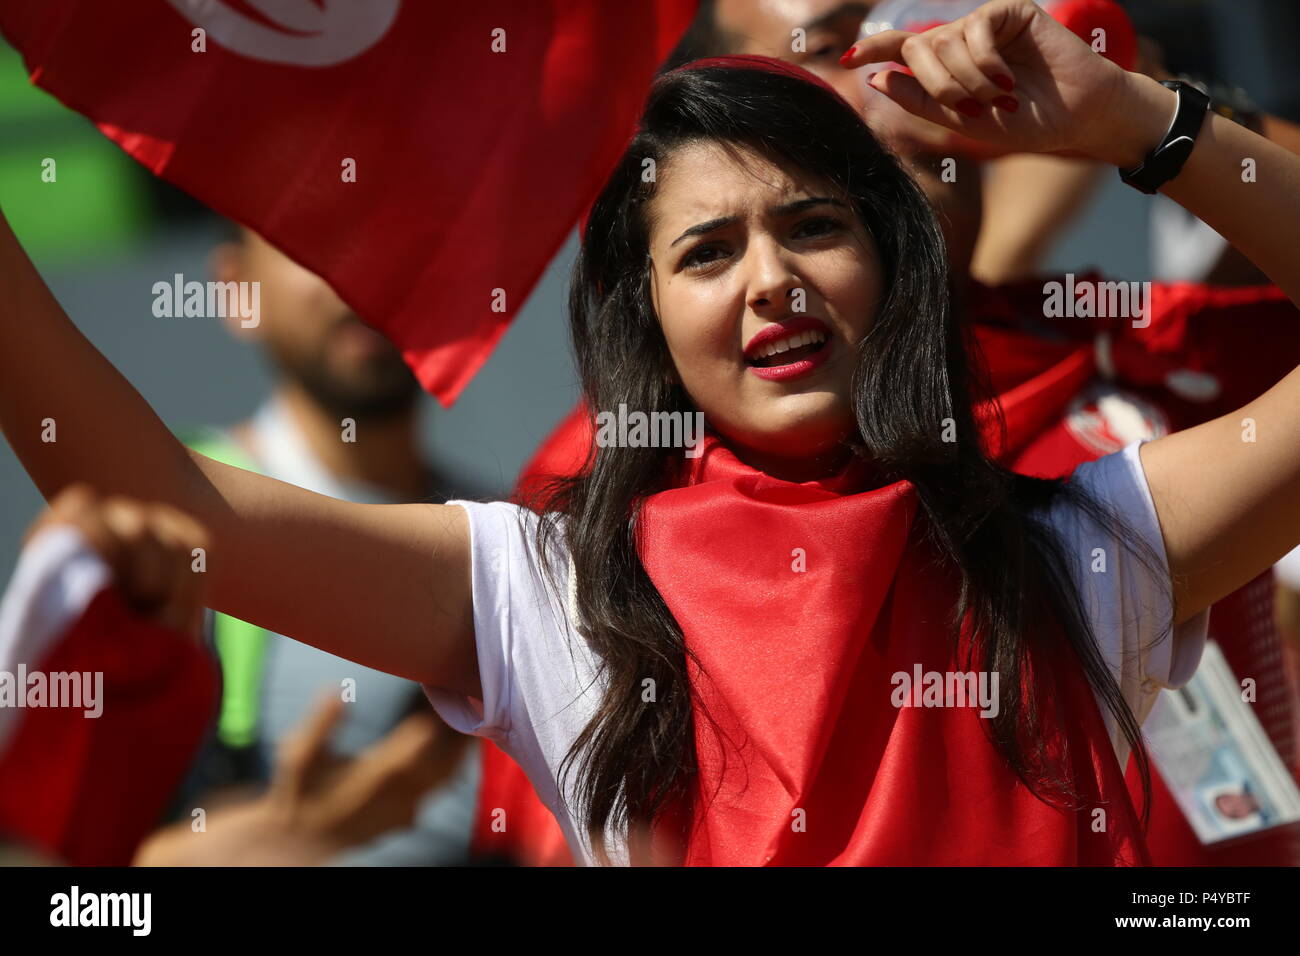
[(791, 342)]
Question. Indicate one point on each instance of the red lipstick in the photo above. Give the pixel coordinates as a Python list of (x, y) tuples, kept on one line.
[(791, 325)]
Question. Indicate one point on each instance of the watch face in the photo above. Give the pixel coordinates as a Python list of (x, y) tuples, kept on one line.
[(1175, 151)]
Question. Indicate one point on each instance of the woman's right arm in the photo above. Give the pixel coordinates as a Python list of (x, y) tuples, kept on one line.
[(387, 586)]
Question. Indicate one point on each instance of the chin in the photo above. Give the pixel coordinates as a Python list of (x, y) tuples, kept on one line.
[(799, 435)]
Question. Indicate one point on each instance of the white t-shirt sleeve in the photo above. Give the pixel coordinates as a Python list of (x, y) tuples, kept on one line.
[(511, 604), (1288, 570), (541, 680), (1127, 602)]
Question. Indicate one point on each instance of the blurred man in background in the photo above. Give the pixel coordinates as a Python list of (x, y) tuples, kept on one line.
[(342, 420)]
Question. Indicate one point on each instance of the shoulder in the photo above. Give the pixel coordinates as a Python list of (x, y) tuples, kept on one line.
[(508, 539), (521, 580), (1116, 485), (1118, 478), (1108, 527)]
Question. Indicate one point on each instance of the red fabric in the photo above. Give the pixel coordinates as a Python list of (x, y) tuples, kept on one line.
[(451, 140), (1084, 17), (88, 790), (510, 820), (820, 771), (1194, 328)]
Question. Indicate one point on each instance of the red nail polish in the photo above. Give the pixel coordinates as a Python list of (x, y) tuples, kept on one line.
[(1004, 81), (1008, 103), (971, 108), (845, 57)]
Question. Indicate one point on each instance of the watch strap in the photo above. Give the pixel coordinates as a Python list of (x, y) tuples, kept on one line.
[(1166, 161)]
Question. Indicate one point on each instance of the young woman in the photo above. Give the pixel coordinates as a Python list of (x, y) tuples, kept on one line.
[(730, 656)]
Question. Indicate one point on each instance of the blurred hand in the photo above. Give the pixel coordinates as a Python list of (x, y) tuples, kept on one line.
[(148, 548), (346, 801), (319, 804)]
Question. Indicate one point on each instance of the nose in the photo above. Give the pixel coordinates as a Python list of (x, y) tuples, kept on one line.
[(773, 281)]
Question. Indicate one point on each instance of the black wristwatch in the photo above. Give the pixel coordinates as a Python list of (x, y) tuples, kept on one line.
[(1166, 161)]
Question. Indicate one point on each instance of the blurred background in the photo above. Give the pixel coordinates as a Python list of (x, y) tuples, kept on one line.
[(109, 231)]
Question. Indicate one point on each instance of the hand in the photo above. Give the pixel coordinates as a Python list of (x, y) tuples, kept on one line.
[(318, 804), (1010, 75), (148, 548), (337, 802)]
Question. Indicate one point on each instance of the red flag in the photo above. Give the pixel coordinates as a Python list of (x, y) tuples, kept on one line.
[(87, 782), (475, 136)]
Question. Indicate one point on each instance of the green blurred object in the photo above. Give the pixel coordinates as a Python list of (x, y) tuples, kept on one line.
[(96, 202), (241, 647)]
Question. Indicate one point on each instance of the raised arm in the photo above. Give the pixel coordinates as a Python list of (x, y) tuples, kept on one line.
[(1227, 492), (387, 586)]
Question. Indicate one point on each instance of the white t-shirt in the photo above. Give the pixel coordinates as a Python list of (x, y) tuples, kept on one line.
[(539, 676)]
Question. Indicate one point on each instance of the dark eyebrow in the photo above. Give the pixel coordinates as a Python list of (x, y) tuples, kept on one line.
[(785, 209), (843, 10)]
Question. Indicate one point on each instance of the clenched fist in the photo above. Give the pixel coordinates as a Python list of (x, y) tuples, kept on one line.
[(150, 549)]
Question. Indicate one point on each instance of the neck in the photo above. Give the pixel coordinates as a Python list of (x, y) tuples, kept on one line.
[(385, 453), (808, 468)]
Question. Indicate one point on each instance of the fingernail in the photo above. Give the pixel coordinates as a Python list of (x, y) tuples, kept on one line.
[(1008, 103), (1004, 81), (971, 108), (854, 49)]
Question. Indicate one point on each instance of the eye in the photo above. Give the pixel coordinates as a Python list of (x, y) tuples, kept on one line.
[(832, 39), (701, 255), (817, 226)]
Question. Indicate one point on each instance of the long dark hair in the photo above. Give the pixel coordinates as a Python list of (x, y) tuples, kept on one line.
[(916, 383)]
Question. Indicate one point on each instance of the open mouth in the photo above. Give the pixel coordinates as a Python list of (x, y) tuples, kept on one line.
[(789, 351), (789, 348)]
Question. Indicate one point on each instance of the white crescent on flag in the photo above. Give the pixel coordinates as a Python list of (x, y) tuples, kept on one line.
[(310, 33)]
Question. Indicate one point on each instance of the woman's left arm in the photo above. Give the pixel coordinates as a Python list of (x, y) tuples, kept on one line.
[(1227, 492)]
